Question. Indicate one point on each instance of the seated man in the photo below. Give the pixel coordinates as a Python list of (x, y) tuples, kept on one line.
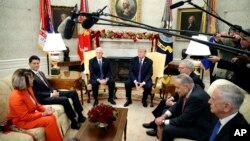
[(140, 73), (185, 67), (45, 94), (190, 117), (225, 103), (100, 73)]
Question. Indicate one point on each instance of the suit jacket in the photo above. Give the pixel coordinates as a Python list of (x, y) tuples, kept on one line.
[(225, 132), (241, 75), (21, 107), (146, 71), (197, 80), (95, 69), (40, 89), (196, 113)]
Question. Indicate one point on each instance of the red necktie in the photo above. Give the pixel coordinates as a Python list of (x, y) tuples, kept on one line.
[(184, 102)]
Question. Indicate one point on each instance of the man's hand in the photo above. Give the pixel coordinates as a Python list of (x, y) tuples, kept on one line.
[(214, 59), (137, 84), (158, 121), (170, 102), (141, 85), (55, 94)]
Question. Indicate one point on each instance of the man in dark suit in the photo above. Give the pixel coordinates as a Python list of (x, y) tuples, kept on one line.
[(190, 117), (190, 26), (100, 74), (185, 67), (225, 102), (241, 75), (45, 94), (140, 73)]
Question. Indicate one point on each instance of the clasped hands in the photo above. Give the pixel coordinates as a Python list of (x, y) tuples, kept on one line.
[(138, 85), (102, 81), (48, 111)]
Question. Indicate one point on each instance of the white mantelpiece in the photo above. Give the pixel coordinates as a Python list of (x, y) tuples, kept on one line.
[(123, 47)]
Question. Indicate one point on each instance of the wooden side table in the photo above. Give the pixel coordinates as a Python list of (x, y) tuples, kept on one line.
[(70, 80)]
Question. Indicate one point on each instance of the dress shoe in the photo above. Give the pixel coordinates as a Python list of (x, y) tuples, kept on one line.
[(145, 104), (96, 103), (152, 132), (75, 126), (112, 101), (81, 119), (149, 125), (127, 103)]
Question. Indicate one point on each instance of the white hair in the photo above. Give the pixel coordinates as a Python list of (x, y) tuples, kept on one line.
[(232, 94), (188, 64), (186, 79), (99, 49)]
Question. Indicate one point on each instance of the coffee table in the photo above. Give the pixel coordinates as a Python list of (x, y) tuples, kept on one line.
[(89, 131)]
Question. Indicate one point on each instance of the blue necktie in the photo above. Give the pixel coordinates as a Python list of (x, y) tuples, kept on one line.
[(139, 73), (101, 72), (215, 131)]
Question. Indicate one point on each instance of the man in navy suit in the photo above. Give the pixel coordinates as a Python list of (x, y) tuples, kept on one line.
[(100, 74), (140, 73), (45, 94), (225, 102)]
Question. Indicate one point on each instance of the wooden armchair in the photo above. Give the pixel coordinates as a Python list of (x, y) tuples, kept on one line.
[(158, 72), (86, 75)]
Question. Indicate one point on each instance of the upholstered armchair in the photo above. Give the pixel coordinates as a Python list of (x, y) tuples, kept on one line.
[(159, 60), (86, 75)]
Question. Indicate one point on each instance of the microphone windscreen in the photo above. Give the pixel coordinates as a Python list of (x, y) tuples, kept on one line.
[(88, 22), (178, 4), (69, 29)]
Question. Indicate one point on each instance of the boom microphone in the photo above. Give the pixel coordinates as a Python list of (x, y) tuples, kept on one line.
[(178, 4), (70, 25), (91, 20)]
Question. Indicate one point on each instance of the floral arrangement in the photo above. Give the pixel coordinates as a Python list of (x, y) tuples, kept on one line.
[(124, 35), (102, 115)]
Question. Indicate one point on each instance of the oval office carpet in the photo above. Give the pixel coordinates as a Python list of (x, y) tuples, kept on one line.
[(137, 114)]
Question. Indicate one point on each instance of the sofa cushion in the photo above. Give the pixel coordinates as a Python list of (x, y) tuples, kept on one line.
[(4, 97)]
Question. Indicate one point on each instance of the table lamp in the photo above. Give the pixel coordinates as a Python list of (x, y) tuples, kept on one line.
[(198, 50), (54, 45)]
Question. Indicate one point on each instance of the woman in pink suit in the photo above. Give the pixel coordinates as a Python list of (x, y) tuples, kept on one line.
[(24, 110)]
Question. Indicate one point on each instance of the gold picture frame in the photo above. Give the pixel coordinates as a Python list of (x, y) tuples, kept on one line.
[(130, 9), (185, 16), (57, 12)]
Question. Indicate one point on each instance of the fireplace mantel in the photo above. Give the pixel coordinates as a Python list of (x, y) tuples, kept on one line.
[(123, 47)]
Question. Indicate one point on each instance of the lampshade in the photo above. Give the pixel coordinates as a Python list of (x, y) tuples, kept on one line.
[(54, 42), (198, 49)]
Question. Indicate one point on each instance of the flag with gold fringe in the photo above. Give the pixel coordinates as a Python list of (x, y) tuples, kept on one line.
[(46, 24), (84, 36)]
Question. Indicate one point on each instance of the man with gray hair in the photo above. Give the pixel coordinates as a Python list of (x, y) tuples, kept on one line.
[(185, 67), (101, 74), (225, 103), (190, 117)]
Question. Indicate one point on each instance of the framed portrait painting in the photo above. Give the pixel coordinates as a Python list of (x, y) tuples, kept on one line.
[(59, 14), (129, 9), (189, 19)]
